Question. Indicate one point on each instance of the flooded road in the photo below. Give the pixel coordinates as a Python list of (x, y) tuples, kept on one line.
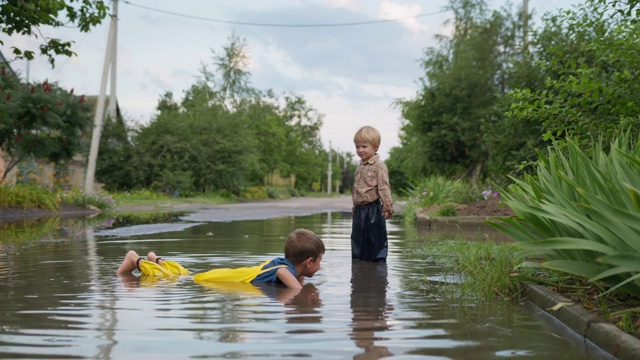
[(62, 299)]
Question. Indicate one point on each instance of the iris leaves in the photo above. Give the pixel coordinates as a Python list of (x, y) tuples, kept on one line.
[(581, 210)]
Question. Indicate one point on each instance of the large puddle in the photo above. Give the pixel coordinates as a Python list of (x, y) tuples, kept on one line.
[(62, 299)]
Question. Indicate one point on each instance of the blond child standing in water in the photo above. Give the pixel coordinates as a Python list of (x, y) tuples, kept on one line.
[(372, 201)]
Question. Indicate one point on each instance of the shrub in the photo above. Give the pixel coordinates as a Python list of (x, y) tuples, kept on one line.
[(254, 192), (447, 210), (24, 196), (436, 190), (102, 201), (582, 212)]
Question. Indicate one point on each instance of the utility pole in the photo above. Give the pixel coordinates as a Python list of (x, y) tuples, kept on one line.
[(109, 63), (329, 171), (338, 179), (525, 25)]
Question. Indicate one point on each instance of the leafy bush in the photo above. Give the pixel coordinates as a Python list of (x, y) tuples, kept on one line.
[(447, 210), (24, 196), (254, 192), (279, 192), (582, 212), (436, 190), (102, 201)]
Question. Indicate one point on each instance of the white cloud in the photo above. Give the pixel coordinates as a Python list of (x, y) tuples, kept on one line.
[(346, 4), (406, 14)]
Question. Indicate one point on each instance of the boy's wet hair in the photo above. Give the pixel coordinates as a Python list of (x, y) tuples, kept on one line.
[(303, 244), (368, 135)]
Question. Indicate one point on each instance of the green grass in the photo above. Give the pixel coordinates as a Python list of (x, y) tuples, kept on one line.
[(486, 267), (486, 271), (28, 196), (154, 199)]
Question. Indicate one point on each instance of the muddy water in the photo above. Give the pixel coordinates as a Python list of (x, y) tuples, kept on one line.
[(61, 299)]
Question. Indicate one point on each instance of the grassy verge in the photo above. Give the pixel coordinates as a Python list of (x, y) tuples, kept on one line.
[(148, 198), (488, 271), (26, 196)]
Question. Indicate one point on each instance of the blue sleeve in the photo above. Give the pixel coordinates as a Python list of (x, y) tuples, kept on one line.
[(270, 276)]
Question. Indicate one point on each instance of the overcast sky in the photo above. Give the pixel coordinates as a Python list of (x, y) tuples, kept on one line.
[(350, 74)]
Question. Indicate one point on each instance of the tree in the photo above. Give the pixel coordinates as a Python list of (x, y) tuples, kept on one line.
[(114, 167), (41, 121), (26, 17), (460, 100), (589, 58), (225, 135)]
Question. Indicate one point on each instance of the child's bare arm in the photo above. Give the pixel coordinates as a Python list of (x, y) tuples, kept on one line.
[(288, 279)]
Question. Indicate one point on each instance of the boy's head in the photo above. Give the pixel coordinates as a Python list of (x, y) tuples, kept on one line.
[(303, 244), (367, 135), (304, 249)]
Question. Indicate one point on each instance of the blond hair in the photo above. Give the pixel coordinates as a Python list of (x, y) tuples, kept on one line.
[(303, 244), (368, 135)]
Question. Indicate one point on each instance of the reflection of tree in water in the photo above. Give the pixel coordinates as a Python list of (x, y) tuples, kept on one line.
[(369, 307)]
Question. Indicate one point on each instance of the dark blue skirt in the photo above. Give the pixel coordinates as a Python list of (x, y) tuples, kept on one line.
[(369, 233)]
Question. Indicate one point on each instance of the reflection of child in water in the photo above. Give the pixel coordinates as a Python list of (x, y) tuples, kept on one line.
[(369, 307), (301, 304)]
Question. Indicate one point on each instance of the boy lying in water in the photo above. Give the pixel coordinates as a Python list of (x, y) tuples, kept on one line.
[(303, 253)]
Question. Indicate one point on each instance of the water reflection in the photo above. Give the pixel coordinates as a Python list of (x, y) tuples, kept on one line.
[(61, 299), (369, 307)]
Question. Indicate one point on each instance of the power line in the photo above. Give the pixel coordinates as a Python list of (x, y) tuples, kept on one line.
[(357, 23)]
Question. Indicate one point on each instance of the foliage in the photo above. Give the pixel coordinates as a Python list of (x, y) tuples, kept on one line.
[(588, 56), (223, 136), (41, 121), (254, 192), (156, 199), (27, 196), (25, 17), (114, 167), (138, 195), (447, 210), (460, 100), (437, 190), (581, 212), (102, 201), (474, 269)]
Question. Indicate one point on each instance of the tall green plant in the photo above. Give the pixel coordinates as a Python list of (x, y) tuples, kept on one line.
[(582, 212), (460, 100), (587, 55)]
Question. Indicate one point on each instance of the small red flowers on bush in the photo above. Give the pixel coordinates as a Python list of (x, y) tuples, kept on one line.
[(59, 103), (4, 71), (81, 99), (8, 96), (18, 138), (45, 109)]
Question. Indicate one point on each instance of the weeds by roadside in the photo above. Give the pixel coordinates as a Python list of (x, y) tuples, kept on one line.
[(25, 196), (484, 270)]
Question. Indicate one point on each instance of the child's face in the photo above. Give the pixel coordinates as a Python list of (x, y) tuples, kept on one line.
[(365, 151), (313, 266)]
